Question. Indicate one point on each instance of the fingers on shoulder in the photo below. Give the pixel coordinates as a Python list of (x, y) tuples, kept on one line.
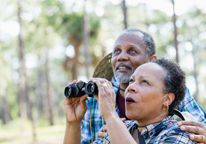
[(198, 138), (192, 123), (193, 129)]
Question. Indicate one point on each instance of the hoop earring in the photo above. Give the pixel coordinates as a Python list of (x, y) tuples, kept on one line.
[(164, 109)]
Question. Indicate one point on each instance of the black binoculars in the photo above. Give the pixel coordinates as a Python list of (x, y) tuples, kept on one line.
[(78, 90)]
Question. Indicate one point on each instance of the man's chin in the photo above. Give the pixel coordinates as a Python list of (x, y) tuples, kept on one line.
[(121, 78)]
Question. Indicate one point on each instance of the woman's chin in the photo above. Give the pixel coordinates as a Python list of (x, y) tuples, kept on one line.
[(130, 115), (133, 112)]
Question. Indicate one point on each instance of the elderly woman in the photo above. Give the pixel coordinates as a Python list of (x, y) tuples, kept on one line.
[(155, 89)]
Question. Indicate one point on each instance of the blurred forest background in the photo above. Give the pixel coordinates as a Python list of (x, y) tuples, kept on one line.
[(45, 44)]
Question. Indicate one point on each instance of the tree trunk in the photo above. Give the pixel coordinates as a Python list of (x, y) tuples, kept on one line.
[(21, 67), (23, 85), (49, 91), (75, 63), (39, 89), (175, 33), (86, 40), (124, 8), (195, 74), (6, 110), (29, 108)]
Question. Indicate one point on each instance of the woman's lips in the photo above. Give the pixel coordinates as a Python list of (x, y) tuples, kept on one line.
[(129, 101)]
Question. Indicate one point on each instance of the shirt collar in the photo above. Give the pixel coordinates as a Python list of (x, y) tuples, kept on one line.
[(115, 82), (153, 128)]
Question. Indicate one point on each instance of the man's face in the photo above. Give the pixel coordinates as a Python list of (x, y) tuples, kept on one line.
[(129, 52)]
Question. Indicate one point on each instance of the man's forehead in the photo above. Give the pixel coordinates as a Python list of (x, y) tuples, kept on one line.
[(131, 34), (133, 37)]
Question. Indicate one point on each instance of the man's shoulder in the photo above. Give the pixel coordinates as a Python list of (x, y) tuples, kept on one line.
[(190, 105)]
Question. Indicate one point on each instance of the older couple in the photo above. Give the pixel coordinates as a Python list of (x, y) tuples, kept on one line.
[(132, 49)]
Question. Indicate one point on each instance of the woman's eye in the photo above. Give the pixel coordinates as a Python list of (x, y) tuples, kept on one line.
[(145, 82), (131, 81)]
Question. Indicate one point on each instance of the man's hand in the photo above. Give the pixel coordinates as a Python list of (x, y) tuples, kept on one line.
[(75, 108), (198, 128), (102, 131)]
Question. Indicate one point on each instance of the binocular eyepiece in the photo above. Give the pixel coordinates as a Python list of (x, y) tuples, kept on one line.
[(78, 90)]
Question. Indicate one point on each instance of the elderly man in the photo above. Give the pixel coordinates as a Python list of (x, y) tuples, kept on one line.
[(133, 48)]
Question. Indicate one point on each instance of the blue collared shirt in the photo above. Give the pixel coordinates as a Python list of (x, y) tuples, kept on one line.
[(188, 104), (166, 131)]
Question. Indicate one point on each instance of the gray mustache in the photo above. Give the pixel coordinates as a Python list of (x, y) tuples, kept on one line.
[(123, 65)]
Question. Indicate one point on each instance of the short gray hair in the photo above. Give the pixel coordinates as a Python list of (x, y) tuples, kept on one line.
[(150, 49)]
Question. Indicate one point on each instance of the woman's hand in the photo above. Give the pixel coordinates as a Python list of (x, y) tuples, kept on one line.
[(75, 108), (198, 128), (106, 97)]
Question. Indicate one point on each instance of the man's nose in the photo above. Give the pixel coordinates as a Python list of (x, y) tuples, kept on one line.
[(123, 56)]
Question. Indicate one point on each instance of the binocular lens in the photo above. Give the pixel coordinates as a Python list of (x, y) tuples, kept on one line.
[(69, 91), (90, 88)]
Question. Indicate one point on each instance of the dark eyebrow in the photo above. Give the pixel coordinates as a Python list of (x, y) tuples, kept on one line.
[(116, 46), (143, 77), (132, 77)]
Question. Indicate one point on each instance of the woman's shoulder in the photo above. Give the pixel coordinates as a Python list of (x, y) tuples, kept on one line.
[(175, 135), (171, 133)]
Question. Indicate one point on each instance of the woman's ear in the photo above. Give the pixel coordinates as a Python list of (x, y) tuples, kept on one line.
[(153, 57), (169, 98)]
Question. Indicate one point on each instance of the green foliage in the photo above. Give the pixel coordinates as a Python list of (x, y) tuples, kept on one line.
[(54, 23)]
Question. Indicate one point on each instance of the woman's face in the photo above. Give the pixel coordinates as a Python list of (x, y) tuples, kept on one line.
[(144, 95)]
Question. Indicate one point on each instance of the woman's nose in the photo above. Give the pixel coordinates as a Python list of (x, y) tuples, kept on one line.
[(131, 88)]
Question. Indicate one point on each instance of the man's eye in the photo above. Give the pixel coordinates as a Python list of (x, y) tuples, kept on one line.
[(133, 51), (116, 51)]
